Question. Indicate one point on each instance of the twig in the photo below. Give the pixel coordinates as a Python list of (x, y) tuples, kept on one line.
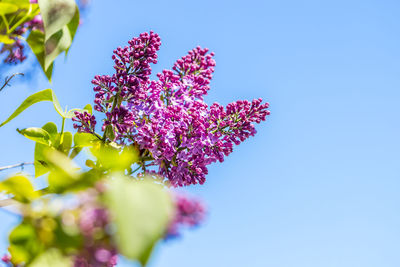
[(7, 202), (21, 165), (8, 79)]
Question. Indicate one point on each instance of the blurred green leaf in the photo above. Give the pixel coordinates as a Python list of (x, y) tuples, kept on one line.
[(114, 159), (150, 210), (45, 95), (24, 244), (20, 187), (41, 167), (36, 41), (61, 20), (52, 258), (56, 14), (66, 144), (6, 8), (36, 134), (6, 40), (84, 139)]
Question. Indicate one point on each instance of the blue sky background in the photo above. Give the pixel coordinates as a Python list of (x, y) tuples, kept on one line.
[(319, 184)]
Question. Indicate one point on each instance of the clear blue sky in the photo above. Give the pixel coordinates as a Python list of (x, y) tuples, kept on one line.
[(319, 184)]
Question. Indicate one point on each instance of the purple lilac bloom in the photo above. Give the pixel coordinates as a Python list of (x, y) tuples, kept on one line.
[(189, 212), (15, 51), (168, 118), (86, 122), (93, 221)]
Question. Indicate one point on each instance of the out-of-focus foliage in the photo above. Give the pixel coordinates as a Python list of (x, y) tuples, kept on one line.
[(48, 26), (62, 221)]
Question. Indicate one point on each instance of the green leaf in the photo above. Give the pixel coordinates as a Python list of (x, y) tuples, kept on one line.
[(61, 20), (150, 210), (71, 113), (41, 167), (45, 95), (73, 26), (66, 145), (20, 187), (114, 159), (56, 14), (24, 244), (6, 8), (52, 258), (36, 134), (55, 45), (36, 42), (51, 128), (84, 139), (89, 109), (6, 40)]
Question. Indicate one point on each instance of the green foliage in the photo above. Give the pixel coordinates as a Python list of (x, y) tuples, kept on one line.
[(36, 41), (60, 21), (24, 243), (36, 134), (45, 95), (150, 209), (13, 14), (107, 154), (52, 258), (20, 187), (140, 209)]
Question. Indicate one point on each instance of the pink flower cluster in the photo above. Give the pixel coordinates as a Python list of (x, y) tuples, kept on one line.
[(93, 222), (15, 52), (168, 117), (189, 212)]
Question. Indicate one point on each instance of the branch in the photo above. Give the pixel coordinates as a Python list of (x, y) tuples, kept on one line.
[(8, 79), (16, 166), (7, 202)]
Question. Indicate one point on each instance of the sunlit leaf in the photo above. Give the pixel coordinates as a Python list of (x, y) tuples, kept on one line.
[(66, 144), (6, 40), (61, 20), (107, 155), (36, 134), (20, 187), (71, 113), (51, 128), (84, 139), (52, 258), (6, 8), (24, 244), (56, 14), (150, 210), (36, 41), (45, 95), (62, 163), (41, 167)]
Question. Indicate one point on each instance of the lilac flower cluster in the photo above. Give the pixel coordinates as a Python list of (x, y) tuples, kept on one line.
[(189, 212), (167, 118), (15, 52), (98, 250), (86, 120)]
